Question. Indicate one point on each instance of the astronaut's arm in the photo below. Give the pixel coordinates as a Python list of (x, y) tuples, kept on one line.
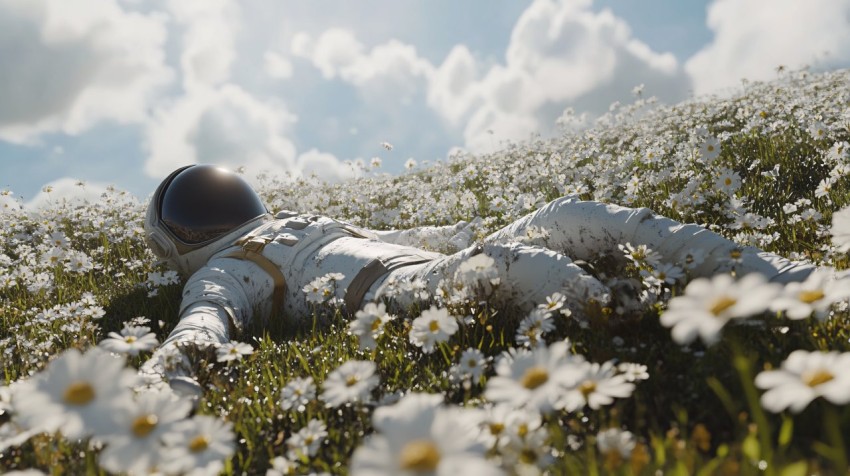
[(447, 238), (214, 309)]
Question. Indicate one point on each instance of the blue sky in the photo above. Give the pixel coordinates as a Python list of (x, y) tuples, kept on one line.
[(120, 92)]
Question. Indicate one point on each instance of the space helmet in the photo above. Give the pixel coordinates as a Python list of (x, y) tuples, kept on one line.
[(198, 210)]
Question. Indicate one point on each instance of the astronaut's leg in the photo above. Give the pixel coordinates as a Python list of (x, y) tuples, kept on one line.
[(526, 275), (585, 229)]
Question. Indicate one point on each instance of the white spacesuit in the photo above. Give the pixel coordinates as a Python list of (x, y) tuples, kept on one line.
[(243, 264)]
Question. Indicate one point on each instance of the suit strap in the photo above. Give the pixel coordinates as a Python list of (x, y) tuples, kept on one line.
[(370, 273), (252, 250)]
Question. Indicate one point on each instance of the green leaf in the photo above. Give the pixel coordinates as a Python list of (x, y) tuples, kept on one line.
[(800, 468), (786, 431)]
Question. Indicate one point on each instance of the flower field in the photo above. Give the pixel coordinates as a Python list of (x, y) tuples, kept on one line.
[(670, 375)]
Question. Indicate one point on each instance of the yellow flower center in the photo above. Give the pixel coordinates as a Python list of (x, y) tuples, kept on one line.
[(434, 326), (809, 297), (528, 456), (721, 304), (534, 377), (496, 428), (419, 455), (728, 181), (710, 148), (813, 379), (143, 425), (79, 393), (352, 380), (199, 443), (376, 324), (587, 387), (130, 339)]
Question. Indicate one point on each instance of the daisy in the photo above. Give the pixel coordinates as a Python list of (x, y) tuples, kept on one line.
[(198, 446), (418, 435), (131, 341), (502, 424), (555, 302), (281, 466), (352, 381), (478, 272), (533, 378), (533, 327), (640, 254), (709, 149), (596, 385), (134, 445), (840, 230), (708, 304), (369, 324), (233, 351), (616, 440), (435, 325), (803, 377), (728, 181), (815, 295), (297, 393), (307, 440), (77, 394), (633, 372), (472, 364)]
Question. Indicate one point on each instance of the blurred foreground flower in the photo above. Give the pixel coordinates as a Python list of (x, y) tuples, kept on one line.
[(135, 445), (815, 295), (533, 379), (78, 394), (198, 446), (841, 229), (708, 304), (803, 377), (418, 435)]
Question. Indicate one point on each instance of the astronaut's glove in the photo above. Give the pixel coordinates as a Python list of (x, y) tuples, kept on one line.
[(171, 366)]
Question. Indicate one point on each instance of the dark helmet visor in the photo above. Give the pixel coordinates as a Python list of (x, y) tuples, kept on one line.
[(204, 202)]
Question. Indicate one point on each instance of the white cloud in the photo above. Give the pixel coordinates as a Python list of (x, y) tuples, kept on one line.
[(561, 54), (451, 90), (390, 72), (222, 125), (227, 126), (325, 166), (67, 65), (752, 39), (66, 190), (276, 66), (208, 41)]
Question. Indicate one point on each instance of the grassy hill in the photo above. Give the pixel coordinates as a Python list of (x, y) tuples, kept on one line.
[(768, 167)]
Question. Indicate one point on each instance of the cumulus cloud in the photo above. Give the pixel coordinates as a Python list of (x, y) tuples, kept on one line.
[(389, 72), (325, 166), (66, 190), (223, 125), (208, 40), (67, 65), (276, 66), (751, 40), (561, 54)]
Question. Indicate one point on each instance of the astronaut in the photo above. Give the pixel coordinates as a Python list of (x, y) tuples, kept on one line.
[(243, 263)]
